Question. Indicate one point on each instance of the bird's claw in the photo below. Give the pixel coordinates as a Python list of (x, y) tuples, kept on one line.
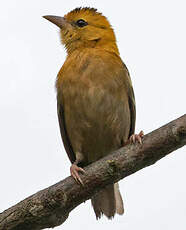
[(74, 169), (136, 137)]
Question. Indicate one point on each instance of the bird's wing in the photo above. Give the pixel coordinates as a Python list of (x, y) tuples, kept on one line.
[(132, 103), (132, 107), (64, 135)]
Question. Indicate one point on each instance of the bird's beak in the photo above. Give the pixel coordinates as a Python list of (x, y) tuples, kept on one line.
[(58, 21)]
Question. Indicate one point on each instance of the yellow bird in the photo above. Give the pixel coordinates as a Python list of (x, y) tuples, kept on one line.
[(95, 98)]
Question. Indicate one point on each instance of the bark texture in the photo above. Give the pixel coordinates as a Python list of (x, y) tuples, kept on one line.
[(50, 207)]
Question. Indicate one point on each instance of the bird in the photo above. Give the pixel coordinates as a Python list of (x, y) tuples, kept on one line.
[(95, 98)]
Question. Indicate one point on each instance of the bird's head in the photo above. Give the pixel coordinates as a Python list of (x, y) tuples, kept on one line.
[(85, 27)]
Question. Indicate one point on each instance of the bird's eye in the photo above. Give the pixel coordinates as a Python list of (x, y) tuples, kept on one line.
[(81, 23)]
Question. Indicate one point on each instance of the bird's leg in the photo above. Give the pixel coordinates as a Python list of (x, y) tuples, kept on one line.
[(135, 137), (74, 169)]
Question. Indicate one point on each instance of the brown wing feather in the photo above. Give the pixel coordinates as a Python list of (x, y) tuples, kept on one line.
[(64, 135), (132, 104), (132, 111)]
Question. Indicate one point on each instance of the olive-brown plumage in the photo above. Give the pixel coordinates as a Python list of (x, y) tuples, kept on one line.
[(95, 99)]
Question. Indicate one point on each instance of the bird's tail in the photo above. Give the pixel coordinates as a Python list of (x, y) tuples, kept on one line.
[(108, 202)]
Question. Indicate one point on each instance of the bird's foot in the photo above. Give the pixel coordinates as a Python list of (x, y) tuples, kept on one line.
[(74, 169), (136, 137)]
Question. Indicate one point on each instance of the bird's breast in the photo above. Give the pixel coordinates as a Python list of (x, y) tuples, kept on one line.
[(96, 110)]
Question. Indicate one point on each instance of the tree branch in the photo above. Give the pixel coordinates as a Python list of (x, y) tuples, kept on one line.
[(51, 206)]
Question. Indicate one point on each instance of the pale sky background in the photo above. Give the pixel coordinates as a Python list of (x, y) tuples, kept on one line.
[(151, 37)]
